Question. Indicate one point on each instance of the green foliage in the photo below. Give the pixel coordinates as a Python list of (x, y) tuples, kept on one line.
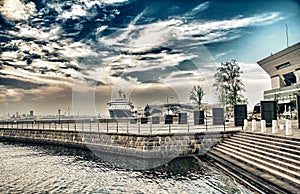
[(229, 86), (196, 95)]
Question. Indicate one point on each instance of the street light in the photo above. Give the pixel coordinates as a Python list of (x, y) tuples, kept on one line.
[(168, 99), (59, 116)]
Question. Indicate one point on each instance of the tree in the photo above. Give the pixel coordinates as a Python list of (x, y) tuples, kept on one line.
[(229, 86), (196, 95)]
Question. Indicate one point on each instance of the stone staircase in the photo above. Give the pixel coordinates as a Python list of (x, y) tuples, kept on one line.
[(271, 163)]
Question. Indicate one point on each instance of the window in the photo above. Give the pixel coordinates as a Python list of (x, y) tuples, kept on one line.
[(284, 65), (289, 78)]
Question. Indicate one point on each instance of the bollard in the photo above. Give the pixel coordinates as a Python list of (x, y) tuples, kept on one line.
[(274, 126), (263, 126), (288, 128), (281, 127), (253, 125), (245, 127)]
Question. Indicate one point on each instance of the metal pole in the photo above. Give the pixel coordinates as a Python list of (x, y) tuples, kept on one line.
[(127, 125), (90, 125), (82, 129), (107, 125), (98, 125), (117, 126)]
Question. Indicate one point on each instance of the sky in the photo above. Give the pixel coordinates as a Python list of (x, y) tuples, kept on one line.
[(76, 55)]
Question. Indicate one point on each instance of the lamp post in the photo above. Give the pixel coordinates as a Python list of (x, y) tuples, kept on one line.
[(168, 99), (290, 107), (59, 116)]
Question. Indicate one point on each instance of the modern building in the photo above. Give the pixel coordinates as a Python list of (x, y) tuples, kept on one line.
[(283, 68)]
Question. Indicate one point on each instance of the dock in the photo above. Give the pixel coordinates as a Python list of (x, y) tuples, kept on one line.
[(267, 160)]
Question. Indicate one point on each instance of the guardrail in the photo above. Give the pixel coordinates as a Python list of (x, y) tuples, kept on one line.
[(132, 125)]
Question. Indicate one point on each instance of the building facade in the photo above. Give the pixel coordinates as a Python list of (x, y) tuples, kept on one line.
[(283, 68)]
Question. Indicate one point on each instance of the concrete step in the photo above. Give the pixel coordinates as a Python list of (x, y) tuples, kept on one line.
[(262, 180), (273, 141), (267, 144), (265, 153), (263, 166), (273, 137), (261, 157), (264, 148)]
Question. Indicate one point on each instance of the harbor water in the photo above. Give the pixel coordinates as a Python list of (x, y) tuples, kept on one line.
[(53, 169)]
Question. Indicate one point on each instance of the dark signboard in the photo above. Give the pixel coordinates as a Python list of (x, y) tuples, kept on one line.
[(133, 121), (169, 119), (240, 114), (218, 116), (268, 111), (198, 117), (144, 120), (155, 120), (298, 110), (182, 118)]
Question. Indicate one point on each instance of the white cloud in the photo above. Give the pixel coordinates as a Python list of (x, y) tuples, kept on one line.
[(16, 10)]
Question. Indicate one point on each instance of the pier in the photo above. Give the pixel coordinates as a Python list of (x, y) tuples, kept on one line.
[(262, 157)]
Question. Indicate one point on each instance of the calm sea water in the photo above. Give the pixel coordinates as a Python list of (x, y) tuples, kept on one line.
[(50, 169)]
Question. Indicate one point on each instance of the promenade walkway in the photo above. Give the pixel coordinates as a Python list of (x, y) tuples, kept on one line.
[(281, 128)]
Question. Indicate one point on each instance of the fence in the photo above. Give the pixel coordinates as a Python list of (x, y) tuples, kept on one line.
[(132, 125)]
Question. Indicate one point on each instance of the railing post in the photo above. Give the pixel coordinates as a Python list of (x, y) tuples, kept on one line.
[(117, 126), (68, 125), (90, 125), (139, 127), (107, 125), (75, 125), (98, 125), (127, 125), (82, 129), (43, 125)]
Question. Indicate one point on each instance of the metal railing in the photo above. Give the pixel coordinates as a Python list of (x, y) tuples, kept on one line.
[(133, 125)]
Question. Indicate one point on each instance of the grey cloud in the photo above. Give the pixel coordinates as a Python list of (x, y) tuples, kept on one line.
[(15, 83)]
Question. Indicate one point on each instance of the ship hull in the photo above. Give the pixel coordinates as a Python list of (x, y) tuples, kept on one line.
[(120, 113)]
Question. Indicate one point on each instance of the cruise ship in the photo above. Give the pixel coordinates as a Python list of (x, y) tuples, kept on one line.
[(120, 107)]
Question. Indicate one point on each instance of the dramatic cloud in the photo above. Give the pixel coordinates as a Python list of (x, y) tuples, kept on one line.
[(59, 46)]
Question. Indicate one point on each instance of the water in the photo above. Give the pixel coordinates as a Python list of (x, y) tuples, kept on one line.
[(50, 169)]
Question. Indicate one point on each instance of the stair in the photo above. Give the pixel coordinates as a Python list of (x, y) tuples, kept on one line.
[(270, 162)]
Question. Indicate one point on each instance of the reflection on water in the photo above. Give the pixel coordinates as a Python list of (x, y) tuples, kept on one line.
[(42, 169)]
